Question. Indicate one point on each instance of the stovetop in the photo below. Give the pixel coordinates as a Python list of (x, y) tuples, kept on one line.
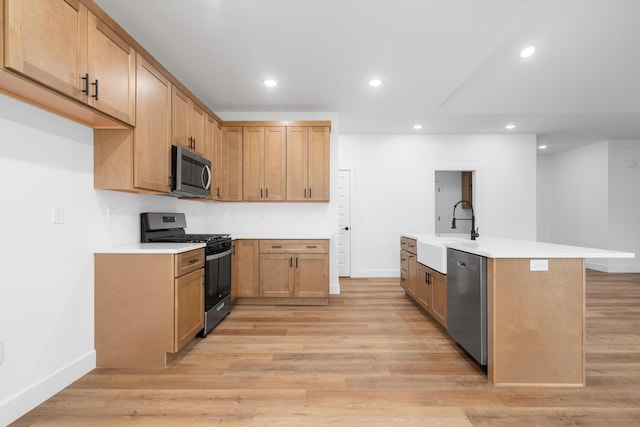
[(192, 238), (160, 227)]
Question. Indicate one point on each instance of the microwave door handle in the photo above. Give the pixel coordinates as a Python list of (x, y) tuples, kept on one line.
[(208, 169)]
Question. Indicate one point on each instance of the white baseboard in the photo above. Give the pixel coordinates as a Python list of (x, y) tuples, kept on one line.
[(362, 274), (22, 402), (334, 289), (606, 268)]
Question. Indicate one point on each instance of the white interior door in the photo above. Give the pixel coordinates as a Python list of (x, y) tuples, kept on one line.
[(344, 223), (441, 218)]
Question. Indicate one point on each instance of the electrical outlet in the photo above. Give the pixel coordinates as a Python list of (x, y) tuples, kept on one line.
[(57, 214), (1, 352), (539, 265), (111, 215)]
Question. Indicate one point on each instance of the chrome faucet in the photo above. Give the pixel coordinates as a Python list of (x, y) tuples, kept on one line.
[(474, 232)]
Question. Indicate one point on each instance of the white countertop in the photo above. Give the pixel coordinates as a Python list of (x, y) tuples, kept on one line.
[(497, 247), (271, 236), (151, 248)]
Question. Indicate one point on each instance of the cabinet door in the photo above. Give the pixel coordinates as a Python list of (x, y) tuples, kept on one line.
[(318, 164), (189, 307), (297, 138), (196, 125), (423, 283), (245, 277), (45, 40), (180, 118), (277, 275), (274, 161), (253, 150), (311, 275), (214, 141), (152, 134), (467, 188), (232, 164), (404, 266), (439, 301), (412, 276), (111, 64)]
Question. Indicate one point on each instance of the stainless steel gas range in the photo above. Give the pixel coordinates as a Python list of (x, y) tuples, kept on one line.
[(170, 227)]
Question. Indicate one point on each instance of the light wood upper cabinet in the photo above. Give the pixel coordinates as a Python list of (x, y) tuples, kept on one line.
[(308, 164), (46, 40), (213, 152), (60, 44), (111, 66), (139, 159), (264, 151), (232, 164), (466, 178), (187, 122)]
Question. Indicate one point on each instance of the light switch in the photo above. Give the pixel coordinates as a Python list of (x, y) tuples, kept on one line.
[(57, 214), (539, 265)]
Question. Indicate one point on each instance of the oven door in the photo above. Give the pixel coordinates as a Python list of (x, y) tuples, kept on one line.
[(217, 275)]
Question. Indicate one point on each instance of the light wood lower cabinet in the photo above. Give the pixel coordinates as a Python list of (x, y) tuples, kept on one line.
[(288, 272), (438, 308), (148, 307), (245, 277), (425, 285)]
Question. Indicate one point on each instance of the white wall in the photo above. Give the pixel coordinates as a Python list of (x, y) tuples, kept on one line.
[(579, 196), (624, 203), (393, 191), (591, 200), (543, 195), (46, 296)]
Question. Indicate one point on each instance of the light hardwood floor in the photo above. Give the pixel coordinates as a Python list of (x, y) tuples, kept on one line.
[(370, 358)]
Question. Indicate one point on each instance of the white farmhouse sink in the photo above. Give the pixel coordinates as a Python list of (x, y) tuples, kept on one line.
[(432, 252)]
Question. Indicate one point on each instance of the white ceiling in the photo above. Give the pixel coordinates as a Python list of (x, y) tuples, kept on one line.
[(451, 65)]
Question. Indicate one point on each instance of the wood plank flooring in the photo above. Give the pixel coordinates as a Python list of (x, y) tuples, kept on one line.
[(370, 358)]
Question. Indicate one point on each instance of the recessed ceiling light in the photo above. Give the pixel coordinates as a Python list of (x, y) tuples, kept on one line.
[(527, 52), (510, 126), (417, 127), (542, 147), (270, 83), (375, 82)]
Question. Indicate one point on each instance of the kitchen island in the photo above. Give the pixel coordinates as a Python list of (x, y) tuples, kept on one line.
[(535, 306)]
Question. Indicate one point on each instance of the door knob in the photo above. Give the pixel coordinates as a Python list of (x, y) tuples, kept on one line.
[(345, 228)]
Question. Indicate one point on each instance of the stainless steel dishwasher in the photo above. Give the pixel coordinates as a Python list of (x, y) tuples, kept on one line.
[(467, 302)]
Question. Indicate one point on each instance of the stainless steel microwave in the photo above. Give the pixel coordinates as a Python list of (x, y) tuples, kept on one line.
[(190, 174)]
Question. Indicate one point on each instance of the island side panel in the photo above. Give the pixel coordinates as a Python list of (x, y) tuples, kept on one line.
[(536, 323)]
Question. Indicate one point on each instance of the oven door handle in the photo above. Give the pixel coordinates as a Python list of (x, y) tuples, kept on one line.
[(218, 255)]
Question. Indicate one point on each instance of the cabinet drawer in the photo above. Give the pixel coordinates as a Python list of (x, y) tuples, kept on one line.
[(189, 261), (294, 246), (404, 260), (408, 244)]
